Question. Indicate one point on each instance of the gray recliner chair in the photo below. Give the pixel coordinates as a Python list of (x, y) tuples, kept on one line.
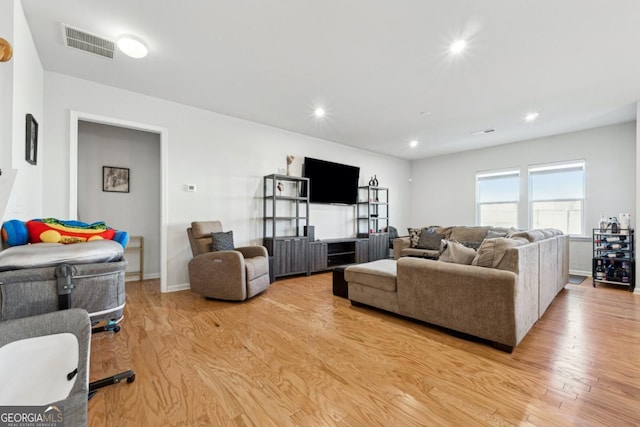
[(44, 361), (233, 275)]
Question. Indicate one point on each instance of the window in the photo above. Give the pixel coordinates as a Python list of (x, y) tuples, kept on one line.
[(556, 197), (497, 197)]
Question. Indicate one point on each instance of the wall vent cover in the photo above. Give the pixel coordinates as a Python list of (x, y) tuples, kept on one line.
[(82, 40), (483, 132)]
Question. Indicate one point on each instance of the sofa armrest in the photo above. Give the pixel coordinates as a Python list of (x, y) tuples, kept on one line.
[(252, 251), (399, 244)]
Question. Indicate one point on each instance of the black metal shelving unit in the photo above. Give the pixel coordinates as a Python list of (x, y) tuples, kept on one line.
[(616, 254)]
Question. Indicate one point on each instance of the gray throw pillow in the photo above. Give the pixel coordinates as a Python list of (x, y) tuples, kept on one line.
[(222, 241), (472, 245), (429, 240)]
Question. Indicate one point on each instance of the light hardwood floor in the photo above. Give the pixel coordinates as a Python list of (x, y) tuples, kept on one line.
[(299, 356)]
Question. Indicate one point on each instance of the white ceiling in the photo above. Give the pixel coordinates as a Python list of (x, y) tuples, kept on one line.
[(380, 68)]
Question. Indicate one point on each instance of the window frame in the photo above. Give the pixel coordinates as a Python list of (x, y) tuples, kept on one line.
[(568, 164), (515, 172)]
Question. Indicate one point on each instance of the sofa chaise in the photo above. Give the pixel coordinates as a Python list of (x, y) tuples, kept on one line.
[(507, 287)]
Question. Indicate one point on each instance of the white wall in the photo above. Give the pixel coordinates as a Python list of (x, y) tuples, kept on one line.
[(28, 81), (21, 92), (443, 188), (6, 90), (225, 157), (101, 145), (637, 180)]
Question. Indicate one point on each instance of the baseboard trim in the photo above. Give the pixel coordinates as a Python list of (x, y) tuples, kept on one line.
[(580, 273), (178, 287)]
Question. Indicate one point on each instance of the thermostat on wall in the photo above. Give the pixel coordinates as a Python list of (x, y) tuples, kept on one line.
[(191, 188)]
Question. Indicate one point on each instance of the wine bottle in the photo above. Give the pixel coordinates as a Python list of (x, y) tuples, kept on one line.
[(603, 224), (599, 271), (615, 226), (625, 273), (611, 271)]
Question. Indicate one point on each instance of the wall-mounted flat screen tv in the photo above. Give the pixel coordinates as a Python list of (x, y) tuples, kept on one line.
[(331, 182)]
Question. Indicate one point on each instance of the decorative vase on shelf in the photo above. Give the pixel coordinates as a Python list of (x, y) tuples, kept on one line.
[(603, 224), (625, 221), (375, 181), (371, 184), (289, 161)]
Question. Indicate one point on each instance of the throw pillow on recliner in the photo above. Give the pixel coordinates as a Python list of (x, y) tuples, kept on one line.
[(222, 241)]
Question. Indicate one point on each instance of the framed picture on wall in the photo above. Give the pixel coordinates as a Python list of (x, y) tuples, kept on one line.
[(115, 179), (31, 143)]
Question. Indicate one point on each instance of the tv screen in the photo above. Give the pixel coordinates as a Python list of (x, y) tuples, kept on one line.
[(331, 182)]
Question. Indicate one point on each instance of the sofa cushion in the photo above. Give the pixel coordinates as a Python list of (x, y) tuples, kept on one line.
[(492, 234), (379, 274), (222, 241), (469, 234), (457, 253), (444, 230), (531, 235), (429, 240), (492, 251), (420, 253)]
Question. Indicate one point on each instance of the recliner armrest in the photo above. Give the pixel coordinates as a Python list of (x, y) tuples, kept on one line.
[(252, 251), (227, 260)]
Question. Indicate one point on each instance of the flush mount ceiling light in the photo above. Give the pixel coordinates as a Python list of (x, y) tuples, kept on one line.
[(532, 116), (414, 143), (319, 112), (132, 46), (458, 46)]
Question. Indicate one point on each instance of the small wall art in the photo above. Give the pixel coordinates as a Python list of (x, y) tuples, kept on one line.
[(115, 179), (31, 143)]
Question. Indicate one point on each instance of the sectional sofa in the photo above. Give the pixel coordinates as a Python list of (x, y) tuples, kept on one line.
[(498, 296)]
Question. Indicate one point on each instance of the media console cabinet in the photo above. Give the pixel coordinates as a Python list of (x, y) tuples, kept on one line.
[(326, 254), (286, 212)]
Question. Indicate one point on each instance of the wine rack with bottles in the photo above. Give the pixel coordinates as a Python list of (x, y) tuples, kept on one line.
[(614, 258)]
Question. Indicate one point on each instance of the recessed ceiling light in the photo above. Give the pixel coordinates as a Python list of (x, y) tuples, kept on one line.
[(458, 46), (132, 46), (531, 116), (413, 144), (319, 112)]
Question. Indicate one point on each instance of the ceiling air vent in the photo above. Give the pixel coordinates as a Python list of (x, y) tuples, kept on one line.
[(87, 42), (483, 132)]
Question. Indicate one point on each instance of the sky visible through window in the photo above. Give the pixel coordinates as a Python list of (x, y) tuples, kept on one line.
[(498, 189)]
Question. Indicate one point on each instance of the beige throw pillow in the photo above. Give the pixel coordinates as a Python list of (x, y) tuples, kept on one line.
[(491, 252), (457, 253)]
